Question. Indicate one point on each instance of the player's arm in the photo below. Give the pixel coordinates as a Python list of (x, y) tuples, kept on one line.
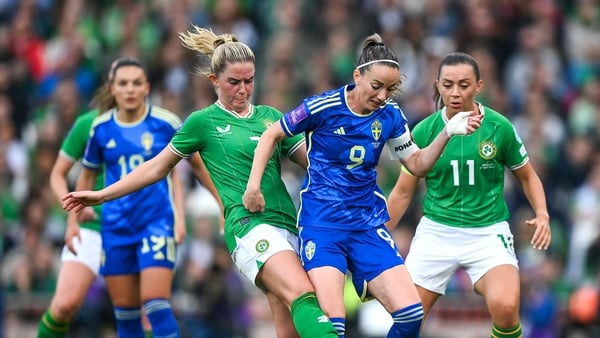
[(58, 176), (147, 173), (534, 192), (178, 200), (253, 199), (400, 197), (419, 161), (86, 180), (300, 157)]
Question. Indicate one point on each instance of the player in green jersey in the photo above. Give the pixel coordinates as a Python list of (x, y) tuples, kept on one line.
[(263, 246), (464, 221), (77, 271)]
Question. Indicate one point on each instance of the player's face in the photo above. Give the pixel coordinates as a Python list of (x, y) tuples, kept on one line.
[(130, 88), (458, 87), (235, 85), (375, 86)]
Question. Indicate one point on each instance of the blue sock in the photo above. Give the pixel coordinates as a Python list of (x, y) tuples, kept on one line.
[(129, 322), (340, 326), (407, 322), (161, 318)]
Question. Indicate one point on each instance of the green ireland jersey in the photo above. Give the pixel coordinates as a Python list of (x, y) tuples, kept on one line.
[(465, 187), (226, 142), (73, 148)]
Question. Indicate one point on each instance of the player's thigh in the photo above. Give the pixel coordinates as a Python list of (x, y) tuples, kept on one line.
[(283, 275), (329, 284), (433, 257), (394, 289), (156, 282), (324, 254), (255, 249), (78, 271), (124, 290), (371, 252), (74, 280), (88, 250)]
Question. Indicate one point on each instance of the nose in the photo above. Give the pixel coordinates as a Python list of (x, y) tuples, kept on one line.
[(454, 91), (243, 88)]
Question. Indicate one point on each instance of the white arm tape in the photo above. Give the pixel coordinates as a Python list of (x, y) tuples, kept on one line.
[(401, 147)]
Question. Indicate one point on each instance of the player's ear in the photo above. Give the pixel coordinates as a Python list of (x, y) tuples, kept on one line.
[(213, 80), (356, 76)]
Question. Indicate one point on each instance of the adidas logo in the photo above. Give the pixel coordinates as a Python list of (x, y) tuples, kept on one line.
[(340, 131), (322, 319), (111, 144)]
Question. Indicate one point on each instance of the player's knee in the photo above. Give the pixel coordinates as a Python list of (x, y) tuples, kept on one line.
[(65, 308), (504, 310)]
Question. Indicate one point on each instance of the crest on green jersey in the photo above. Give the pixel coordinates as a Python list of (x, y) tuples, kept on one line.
[(262, 246), (267, 123), (376, 129), (309, 249), (487, 150)]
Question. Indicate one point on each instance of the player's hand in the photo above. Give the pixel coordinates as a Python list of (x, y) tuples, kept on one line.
[(86, 214), (72, 233), (180, 231), (77, 200), (254, 200), (464, 123), (542, 235)]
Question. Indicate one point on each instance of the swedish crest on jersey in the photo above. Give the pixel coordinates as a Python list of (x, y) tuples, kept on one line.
[(376, 129), (309, 249), (147, 141), (487, 150)]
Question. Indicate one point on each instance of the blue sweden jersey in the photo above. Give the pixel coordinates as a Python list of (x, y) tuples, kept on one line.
[(121, 147), (340, 189)]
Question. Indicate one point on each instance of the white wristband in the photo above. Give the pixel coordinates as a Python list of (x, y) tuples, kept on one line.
[(457, 125)]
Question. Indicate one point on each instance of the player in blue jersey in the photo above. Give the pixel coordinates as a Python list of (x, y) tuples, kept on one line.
[(137, 230), (343, 211), (464, 221)]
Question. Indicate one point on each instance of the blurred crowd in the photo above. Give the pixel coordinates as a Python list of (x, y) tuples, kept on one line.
[(540, 63)]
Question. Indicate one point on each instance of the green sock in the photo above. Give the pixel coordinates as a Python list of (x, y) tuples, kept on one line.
[(148, 334), (50, 328), (309, 319), (511, 332)]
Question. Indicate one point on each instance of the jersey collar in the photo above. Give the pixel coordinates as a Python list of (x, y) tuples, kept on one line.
[(235, 114)]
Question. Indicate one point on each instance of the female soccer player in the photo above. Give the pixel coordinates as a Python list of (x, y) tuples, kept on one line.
[(464, 212), (137, 230), (343, 211)]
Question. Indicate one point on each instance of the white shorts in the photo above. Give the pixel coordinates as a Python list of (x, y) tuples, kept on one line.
[(438, 250), (260, 244), (89, 250)]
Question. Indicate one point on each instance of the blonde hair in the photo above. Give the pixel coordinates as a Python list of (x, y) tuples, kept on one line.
[(221, 49)]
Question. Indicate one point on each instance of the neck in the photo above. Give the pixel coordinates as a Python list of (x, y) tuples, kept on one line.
[(129, 116), (352, 103)]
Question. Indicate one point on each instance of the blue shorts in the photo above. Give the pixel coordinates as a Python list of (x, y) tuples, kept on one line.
[(364, 253), (156, 248)]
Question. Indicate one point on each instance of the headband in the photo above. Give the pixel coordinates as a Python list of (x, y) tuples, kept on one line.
[(374, 61)]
